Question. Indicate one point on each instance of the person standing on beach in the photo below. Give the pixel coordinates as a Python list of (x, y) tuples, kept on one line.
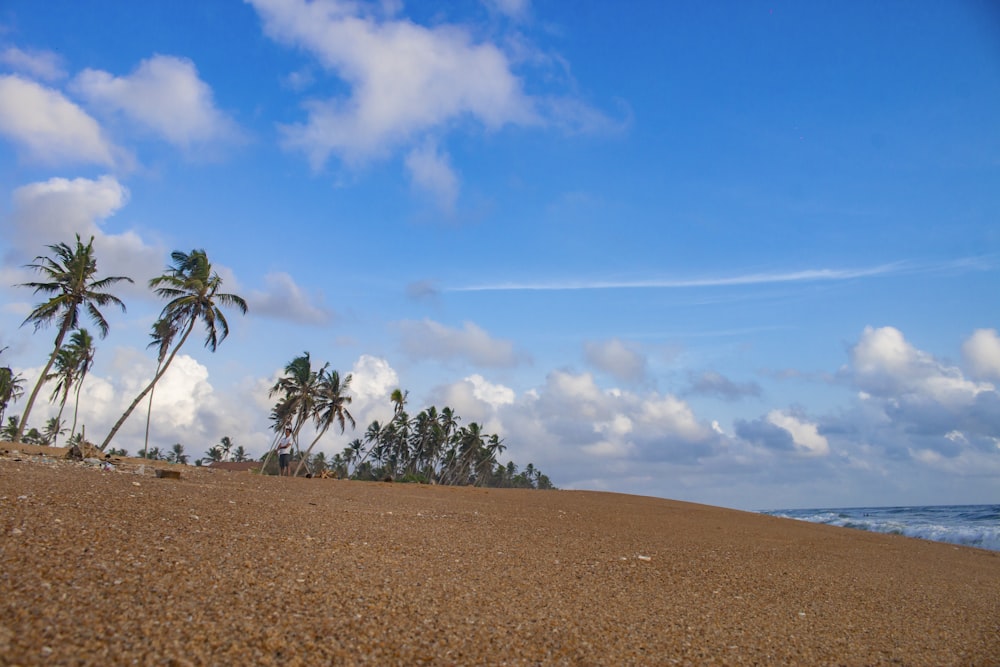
[(285, 452)]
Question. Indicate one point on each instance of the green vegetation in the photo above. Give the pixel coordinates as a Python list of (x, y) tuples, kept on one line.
[(430, 447)]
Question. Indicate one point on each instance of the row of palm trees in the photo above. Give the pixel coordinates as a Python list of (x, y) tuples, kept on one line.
[(430, 447), (69, 278)]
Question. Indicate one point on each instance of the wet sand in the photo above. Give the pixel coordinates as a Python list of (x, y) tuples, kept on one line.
[(217, 568)]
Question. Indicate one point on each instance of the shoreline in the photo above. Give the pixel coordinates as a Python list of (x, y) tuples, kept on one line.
[(233, 568)]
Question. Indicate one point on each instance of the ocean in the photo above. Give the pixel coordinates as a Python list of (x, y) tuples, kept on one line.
[(968, 525)]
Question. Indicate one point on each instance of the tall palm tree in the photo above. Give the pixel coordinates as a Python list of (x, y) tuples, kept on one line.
[(70, 278), (240, 455), (330, 407), (164, 331), (192, 287)]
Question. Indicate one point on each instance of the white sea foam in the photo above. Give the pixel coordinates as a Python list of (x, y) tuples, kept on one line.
[(968, 525)]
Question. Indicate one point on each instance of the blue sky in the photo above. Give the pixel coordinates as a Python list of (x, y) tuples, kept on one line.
[(740, 253)]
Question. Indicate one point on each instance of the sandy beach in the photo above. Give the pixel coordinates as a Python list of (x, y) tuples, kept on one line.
[(218, 568)]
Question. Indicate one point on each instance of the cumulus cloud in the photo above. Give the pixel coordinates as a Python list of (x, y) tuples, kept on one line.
[(53, 211), (915, 407), (284, 299), (373, 378), (805, 435), (622, 360), (590, 433), (44, 65), (164, 94), (429, 339), (982, 354), (48, 128), (475, 399), (884, 363)]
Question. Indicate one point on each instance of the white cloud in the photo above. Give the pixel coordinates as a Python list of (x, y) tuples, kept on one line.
[(44, 65), (405, 78), (431, 171), (884, 363), (48, 128), (429, 339), (622, 360), (165, 94), (284, 299), (373, 379), (805, 435), (53, 211), (982, 354), (495, 395)]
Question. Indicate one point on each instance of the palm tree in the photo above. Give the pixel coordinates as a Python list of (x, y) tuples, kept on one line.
[(82, 345), (164, 331), (11, 429), (11, 388), (330, 407), (240, 455), (193, 289), (214, 454), (177, 454), (226, 445), (70, 275), (299, 389), (73, 362), (53, 429)]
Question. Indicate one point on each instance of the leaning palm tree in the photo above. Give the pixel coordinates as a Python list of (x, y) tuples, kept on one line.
[(298, 390), (330, 408), (70, 278), (192, 287)]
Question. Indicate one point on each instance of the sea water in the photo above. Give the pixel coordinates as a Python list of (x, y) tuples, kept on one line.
[(968, 525)]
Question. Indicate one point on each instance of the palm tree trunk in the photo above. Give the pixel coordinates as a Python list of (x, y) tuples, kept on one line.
[(263, 466), (303, 459), (149, 413), (148, 388), (76, 406), (41, 381)]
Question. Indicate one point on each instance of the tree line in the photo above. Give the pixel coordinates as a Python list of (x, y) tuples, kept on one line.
[(429, 447)]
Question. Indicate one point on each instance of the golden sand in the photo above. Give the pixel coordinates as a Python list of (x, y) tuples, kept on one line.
[(217, 568)]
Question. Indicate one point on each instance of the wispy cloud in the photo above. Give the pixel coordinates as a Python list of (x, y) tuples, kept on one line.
[(766, 278)]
